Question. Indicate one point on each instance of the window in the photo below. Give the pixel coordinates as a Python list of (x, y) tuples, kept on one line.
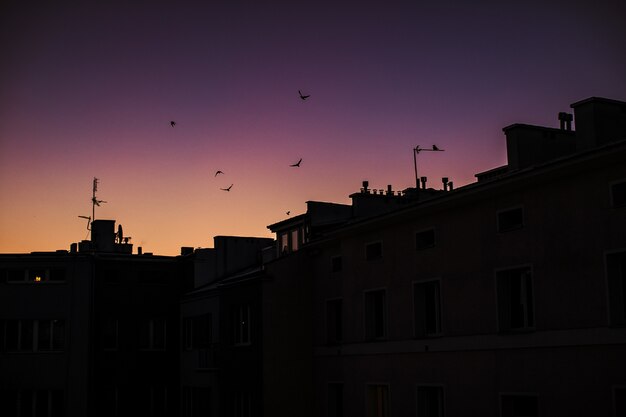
[(425, 239), (283, 243), (375, 315), (336, 264), (242, 404), (519, 405), (429, 401), (241, 321), (377, 401), (153, 400), (619, 400), (152, 334), (373, 251), (33, 275), (510, 219), (33, 403), (295, 240), (618, 194), (110, 334), (32, 335), (197, 331), (334, 322), (427, 308), (515, 299), (335, 399), (196, 401), (616, 277)]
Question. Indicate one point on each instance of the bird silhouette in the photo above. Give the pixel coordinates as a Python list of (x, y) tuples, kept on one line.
[(297, 164), (172, 123), (288, 213), (302, 96), (218, 172), (228, 188)]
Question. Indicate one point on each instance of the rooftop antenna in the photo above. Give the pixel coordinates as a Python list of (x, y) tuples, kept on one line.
[(417, 150), (94, 201)]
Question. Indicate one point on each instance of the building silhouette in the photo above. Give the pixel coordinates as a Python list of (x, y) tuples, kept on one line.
[(504, 297), (90, 332)]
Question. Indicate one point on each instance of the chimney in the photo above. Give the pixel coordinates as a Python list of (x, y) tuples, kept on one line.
[(444, 180), (389, 190), (450, 186), (565, 120), (365, 185), (139, 250), (74, 248), (423, 180)]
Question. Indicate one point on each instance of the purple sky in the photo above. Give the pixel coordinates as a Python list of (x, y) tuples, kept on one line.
[(88, 90)]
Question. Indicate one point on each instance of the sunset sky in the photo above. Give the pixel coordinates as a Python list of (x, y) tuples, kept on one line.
[(89, 90)]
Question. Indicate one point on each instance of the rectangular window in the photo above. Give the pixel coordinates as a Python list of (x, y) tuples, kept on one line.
[(336, 264), (425, 239), (334, 322), (515, 299), (50, 335), (377, 401), (33, 275), (335, 399), (618, 194), (196, 401), (241, 321), (375, 315), (510, 219), (619, 401), (110, 334), (283, 243), (197, 331), (152, 334), (519, 405), (427, 308), (429, 401), (24, 335), (373, 251), (33, 403), (242, 404), (616, 277), (295, 240)]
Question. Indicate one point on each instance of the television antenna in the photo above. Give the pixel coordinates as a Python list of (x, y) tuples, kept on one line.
[(417, 150), (94, 201)]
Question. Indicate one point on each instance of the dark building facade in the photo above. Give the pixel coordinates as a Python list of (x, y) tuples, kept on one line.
[(504, 297), (89, 332)]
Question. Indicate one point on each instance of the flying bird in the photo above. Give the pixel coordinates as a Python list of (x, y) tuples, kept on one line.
[(172, 123), (302, 96), (228, 188), (288, 213), (218, 172), (297, 164)]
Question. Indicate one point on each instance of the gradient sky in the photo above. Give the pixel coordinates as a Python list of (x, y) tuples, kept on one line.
[(89, 89)]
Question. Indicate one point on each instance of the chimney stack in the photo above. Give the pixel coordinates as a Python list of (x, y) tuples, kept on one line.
[(565, 120), (365, 185), (389, 190), (444, 180), (423, 181), (139, 250)]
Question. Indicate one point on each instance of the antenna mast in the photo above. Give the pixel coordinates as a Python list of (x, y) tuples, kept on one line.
[(417, 150), (94, 201)]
